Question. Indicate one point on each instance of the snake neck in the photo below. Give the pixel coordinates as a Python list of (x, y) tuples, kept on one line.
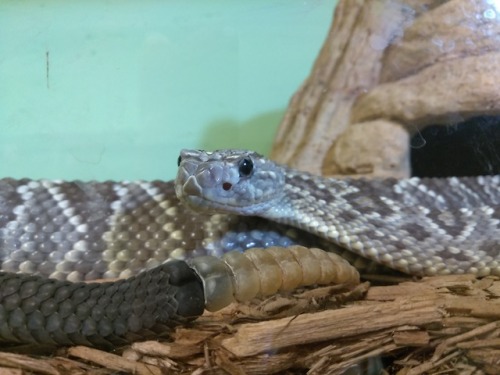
[(282, 211), (288, 207)]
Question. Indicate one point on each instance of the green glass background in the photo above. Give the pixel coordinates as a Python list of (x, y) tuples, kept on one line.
[(114, 89)]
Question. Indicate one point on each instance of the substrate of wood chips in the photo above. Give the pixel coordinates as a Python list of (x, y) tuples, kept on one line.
[(446, 324)]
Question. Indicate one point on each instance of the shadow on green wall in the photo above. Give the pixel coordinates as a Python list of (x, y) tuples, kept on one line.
[(255, 134)]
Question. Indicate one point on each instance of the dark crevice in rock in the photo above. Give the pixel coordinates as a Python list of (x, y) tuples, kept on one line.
[(468, 148)]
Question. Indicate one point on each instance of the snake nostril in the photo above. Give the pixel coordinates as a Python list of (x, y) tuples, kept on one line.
[(227, 186)]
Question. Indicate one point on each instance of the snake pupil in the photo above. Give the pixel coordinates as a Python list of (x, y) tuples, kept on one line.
[(246, 167), (179, 161)]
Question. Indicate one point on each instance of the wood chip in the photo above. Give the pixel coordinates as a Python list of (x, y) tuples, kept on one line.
[(170, 350), (427, 326), (260, 337), (411, 338), (483, 343), (113, 361), (26, 363), (10, 371)]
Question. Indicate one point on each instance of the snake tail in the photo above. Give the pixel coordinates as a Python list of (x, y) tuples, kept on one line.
[(38, 310), (239, 277), (35, 309)]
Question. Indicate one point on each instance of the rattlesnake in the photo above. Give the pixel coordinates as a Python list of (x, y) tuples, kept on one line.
[(78, 231)]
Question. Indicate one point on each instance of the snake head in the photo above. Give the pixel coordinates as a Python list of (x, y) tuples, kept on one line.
[(231, 181)]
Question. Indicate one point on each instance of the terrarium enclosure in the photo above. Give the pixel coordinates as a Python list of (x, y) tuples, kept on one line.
[(113, 90)]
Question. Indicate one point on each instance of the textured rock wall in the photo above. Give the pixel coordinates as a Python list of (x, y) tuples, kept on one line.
[(387, 70)]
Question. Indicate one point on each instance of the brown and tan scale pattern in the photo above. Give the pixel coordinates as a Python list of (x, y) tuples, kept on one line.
[(73, 230), (416, 226)]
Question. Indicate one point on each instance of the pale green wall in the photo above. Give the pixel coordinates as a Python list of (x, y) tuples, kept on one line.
[(132, 82)]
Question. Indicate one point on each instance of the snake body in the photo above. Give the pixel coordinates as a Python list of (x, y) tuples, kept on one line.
[(417, 226), (74, 231), (35, 309)]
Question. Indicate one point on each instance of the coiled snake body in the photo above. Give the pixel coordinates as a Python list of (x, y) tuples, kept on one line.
[(80, 231)]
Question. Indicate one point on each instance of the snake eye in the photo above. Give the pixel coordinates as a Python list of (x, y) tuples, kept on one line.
[(179, 159), (246, 167)]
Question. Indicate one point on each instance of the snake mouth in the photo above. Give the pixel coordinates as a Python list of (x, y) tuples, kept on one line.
[(205, 205), (211, 189), (207, 201)]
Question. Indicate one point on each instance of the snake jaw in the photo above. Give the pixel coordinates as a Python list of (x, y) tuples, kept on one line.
[(216, 182)]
